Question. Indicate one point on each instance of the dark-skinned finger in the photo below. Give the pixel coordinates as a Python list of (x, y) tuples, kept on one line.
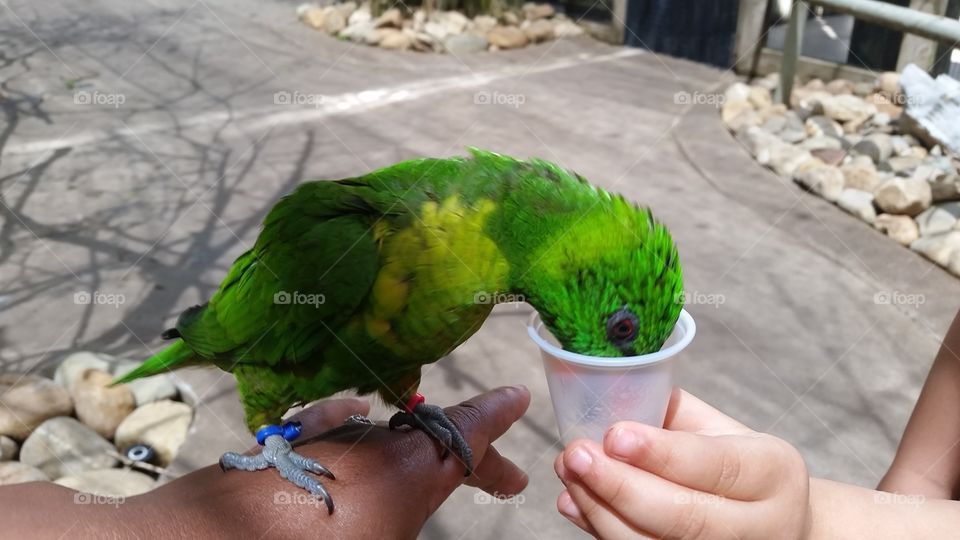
[(498, 475)]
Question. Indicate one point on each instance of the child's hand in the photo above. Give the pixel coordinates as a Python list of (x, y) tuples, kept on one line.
[(704, 476)]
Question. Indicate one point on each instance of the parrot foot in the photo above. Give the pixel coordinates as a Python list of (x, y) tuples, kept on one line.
[(358, 420), (278, 453), (434, 422)]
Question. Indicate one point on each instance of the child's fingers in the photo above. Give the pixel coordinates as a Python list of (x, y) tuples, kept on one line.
[(598, 518), (644, 500), (734, 466), (686, 412), (571, 511)]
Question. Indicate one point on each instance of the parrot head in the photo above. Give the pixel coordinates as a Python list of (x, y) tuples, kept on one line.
[(614, 285)]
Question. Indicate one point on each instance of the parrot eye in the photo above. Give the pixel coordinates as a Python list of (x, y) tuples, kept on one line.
[(622, 327)]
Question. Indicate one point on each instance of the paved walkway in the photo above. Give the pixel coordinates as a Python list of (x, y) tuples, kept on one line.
[(154, 198)]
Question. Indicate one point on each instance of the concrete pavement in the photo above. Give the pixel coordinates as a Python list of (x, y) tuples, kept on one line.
[(153, 198)]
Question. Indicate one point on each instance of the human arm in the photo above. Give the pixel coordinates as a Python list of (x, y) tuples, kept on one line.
[(708, 476), (388, 483), (928, 458)]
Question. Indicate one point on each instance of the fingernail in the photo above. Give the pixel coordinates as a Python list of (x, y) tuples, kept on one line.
[(521, 388), (566, 505), (579, 461), (623, 442)]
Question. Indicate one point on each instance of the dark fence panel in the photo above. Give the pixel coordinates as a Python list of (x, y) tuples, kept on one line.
[(701, 30)]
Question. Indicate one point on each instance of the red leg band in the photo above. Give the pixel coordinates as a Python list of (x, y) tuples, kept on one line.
[(414, 400)]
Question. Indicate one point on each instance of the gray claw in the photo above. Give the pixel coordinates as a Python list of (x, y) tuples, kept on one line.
[(310, 465), (434, 422), (233, 460), (278, 453)]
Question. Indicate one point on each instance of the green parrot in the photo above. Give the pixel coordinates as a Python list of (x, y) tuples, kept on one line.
[(358, 283)]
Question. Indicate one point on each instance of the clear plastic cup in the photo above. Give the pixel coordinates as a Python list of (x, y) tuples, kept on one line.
[(591, 393)]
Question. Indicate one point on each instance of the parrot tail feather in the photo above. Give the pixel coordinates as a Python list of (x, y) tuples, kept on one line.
[(170, 333), (175, 356)]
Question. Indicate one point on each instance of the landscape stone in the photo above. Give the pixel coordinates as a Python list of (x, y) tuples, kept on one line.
[(905, 196), (63, 446), (26, 401), (162, 425), (902, 229), (109, 482), (858, 203), (14, 472)]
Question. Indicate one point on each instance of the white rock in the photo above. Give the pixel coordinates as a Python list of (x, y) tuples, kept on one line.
[(823, 180), (76, 363), (566, 29), (484, 23), (144, 390), (109, 483), (147, 389), (360, 16), (738, 115), (26, 401), (889, 84), (938, 219), (391, 38), (537, 11), (465, 44), (435, 30), (818, 126), (162, 425), (860, 176), (933, 107), (822, 141), (876, 145), (63, 446), (362, 32), (305, 7), (903, 196), (507, 37), (539, 30), (847, 108), (99, 405), (391, 17), (737, 91), (858, 203), (14, 472), (902, 229), (455, 22), (760, 97), (8, 448), (938, 247)]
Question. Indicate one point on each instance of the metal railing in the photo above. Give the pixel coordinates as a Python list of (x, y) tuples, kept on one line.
[(941, 29)]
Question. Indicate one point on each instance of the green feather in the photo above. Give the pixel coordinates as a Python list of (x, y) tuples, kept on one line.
[(357, 283)]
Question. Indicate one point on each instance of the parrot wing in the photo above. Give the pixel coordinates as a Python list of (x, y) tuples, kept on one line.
[(311, 267)]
